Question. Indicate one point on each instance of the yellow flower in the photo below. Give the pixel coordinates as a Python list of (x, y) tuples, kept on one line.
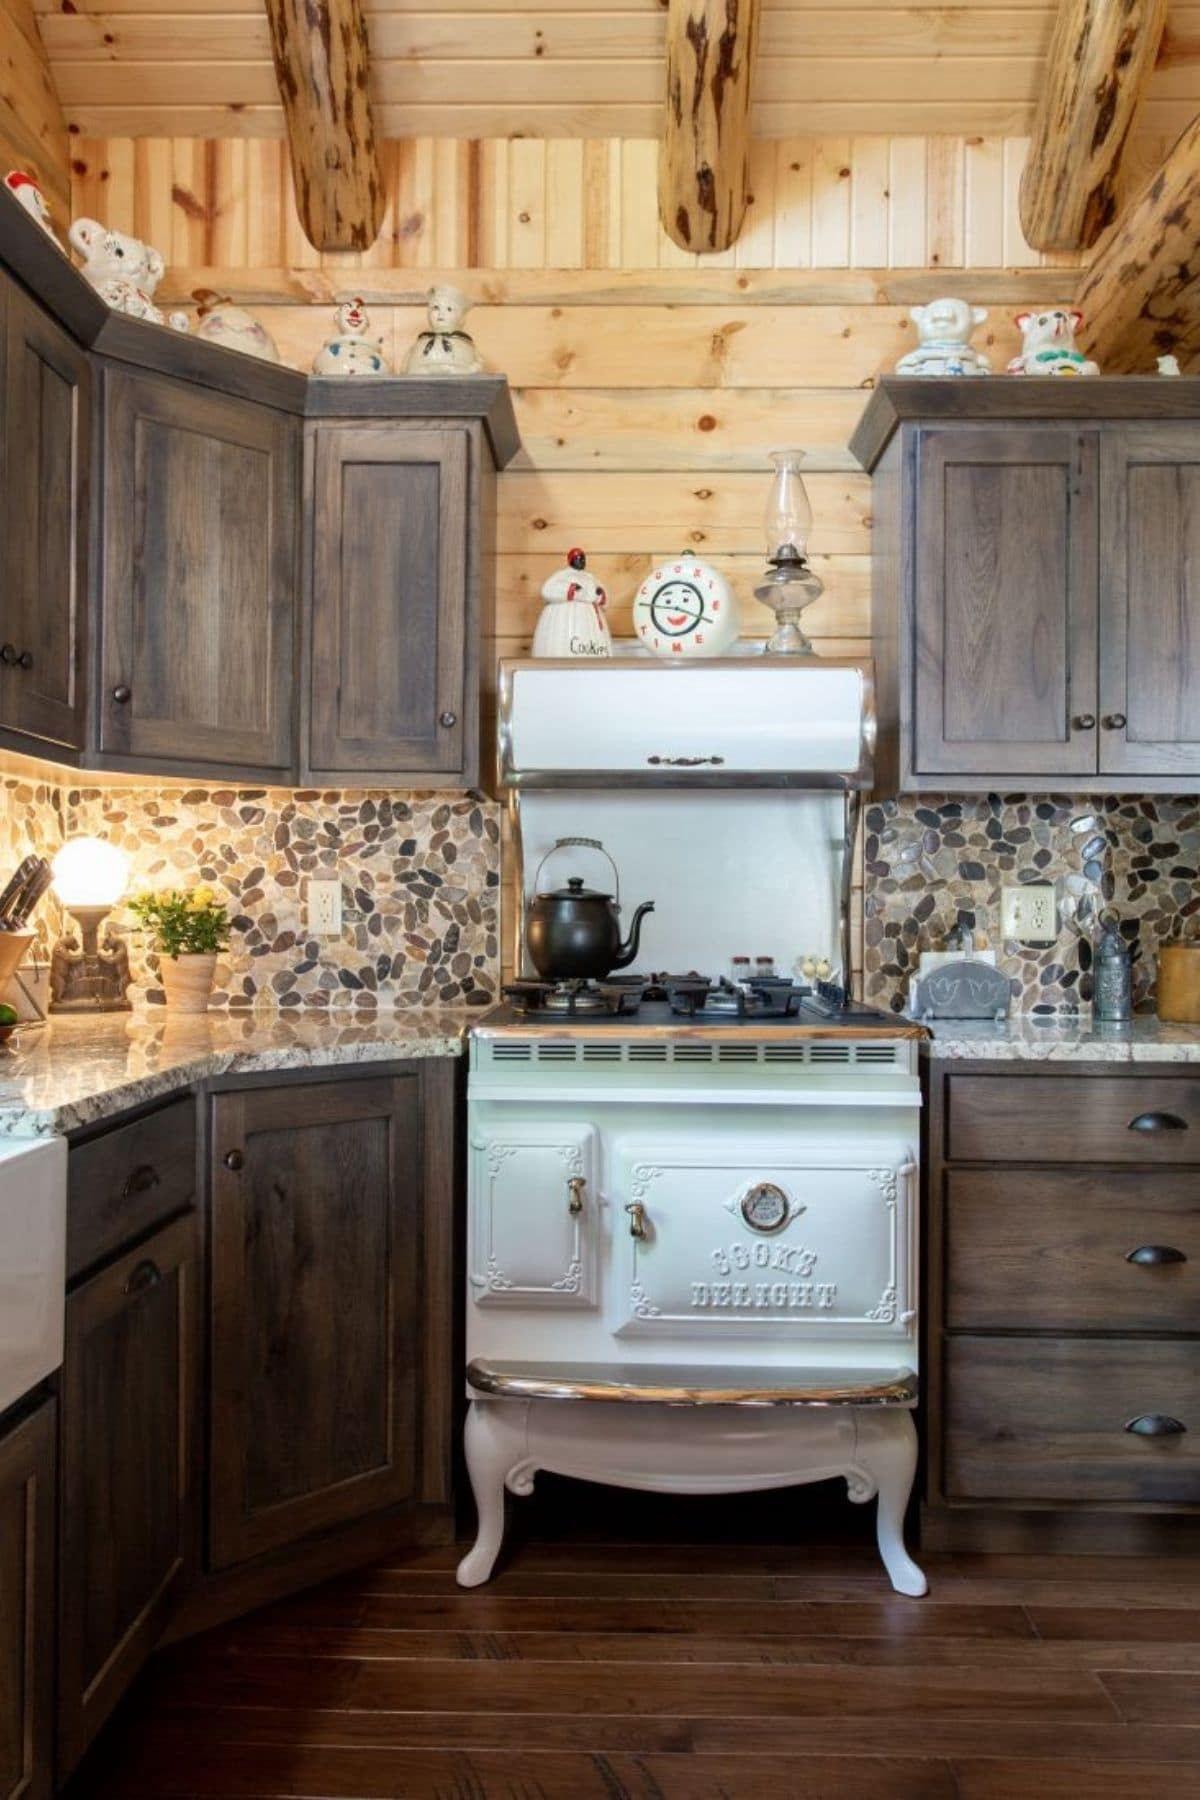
[(201, 897)]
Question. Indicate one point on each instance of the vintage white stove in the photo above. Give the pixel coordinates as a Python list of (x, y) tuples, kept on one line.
[(693, 1206)]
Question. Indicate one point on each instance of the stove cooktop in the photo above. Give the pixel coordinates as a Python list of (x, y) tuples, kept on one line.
[(680, 1000)]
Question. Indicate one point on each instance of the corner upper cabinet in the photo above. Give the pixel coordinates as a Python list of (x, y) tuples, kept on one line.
[(200, 528), (393, 611), (47, 439), (1036, 583)]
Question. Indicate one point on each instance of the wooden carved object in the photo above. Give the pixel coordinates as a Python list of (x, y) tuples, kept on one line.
[(1140, 298), (702, 161), (322, 65), (1100, 55)]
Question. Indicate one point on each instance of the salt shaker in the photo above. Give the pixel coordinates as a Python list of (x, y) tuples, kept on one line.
[(1112, 982)]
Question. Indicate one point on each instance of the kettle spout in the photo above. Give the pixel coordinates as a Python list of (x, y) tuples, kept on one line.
[(629, 948)]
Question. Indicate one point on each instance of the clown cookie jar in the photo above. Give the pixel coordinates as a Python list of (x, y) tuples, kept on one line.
[(685, 608), (572, 621)]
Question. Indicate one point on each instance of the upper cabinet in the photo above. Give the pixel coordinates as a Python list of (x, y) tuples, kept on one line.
[(1036, 583), (46, 460), (393, 604), (199, 577)]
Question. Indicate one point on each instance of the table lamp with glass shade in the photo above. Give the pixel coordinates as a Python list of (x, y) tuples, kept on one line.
[(789, 585), (89, 970)]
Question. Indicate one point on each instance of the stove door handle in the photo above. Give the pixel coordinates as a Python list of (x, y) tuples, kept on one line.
[(637, 1220), (575, 1187)]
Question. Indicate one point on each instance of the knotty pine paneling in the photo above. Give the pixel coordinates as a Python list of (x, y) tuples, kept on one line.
[(33, 132)]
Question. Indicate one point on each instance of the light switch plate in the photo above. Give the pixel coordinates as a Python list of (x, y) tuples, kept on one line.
[(1029, 913), (323, 908)]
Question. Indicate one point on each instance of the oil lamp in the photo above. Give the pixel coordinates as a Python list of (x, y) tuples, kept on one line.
[(789, 584), (89, 972)]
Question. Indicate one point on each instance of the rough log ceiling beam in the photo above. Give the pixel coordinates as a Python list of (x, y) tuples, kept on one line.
[(1100, 57), (704, 157), (322, 65)]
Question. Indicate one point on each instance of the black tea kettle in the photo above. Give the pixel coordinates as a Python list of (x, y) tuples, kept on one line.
[(574, 933)]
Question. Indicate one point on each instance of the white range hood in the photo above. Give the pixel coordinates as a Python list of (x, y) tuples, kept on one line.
[(738, 722)]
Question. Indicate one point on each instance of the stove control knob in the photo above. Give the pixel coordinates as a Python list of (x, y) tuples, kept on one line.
[(637, 1220), (575, 1187)]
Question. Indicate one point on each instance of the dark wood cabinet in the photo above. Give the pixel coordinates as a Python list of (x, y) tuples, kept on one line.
[(200, 568), (129, 1527), (1036, 584), (43, 614), (27, 1606), (393, 622), (331, 1349)]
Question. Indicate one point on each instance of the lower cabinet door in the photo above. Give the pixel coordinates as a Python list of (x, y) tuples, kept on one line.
[(535, 1211), (129, 1504), (315, 1294), (27, 1607)]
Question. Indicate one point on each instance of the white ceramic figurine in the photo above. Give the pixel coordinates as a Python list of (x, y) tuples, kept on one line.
[(350, 351), (572, 621), (233, 328), (1048, 344), (26, 192), (943, 330), (123, 271), (445, 349)]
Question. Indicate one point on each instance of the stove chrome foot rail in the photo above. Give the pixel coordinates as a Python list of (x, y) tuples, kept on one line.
[(707, 1440)]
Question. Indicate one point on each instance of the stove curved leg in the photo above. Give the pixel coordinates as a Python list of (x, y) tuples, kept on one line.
[(492, 1448), (887, 1450)]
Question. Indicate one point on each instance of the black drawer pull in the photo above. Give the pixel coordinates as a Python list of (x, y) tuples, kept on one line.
[(1152, 1255), (143, 1178), (1158, 1121), (1155, 1425), (146, 1275)]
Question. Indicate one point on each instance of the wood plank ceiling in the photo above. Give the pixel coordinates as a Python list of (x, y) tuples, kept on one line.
[(576, 68)]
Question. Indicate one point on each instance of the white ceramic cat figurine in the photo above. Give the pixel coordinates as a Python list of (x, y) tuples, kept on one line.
[(445, 349)]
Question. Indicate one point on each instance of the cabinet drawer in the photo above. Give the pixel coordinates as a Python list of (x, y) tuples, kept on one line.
[(1046, 1419), (1074, 1118), (1049, 1250), (123, 1183)]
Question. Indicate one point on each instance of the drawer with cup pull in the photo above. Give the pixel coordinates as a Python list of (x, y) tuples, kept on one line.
[(1072, 1419), (1083, 1249), (126, 1180), (1073, 1119)]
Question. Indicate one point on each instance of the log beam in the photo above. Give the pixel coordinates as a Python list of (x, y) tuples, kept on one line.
[(1140, 298), (704, 155), (1100, 56), (322, 65)]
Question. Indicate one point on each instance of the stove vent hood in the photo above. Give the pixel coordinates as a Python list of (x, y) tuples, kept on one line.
[(740, 722)]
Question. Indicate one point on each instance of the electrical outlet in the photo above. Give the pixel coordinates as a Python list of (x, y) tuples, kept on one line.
[(323, 908), (1029, 913)]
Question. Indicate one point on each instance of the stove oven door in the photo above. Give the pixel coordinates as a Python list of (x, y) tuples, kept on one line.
[(783, 1241), (534, 1215)]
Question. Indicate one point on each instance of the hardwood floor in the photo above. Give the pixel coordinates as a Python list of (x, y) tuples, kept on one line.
[(666, 1670)]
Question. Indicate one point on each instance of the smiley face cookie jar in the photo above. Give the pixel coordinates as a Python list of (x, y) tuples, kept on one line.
[(572, 621), (685, 608)]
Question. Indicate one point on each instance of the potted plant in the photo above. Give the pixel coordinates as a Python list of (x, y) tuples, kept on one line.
[(187, 930)]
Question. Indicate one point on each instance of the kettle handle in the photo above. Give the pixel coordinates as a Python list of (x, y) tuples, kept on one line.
[(568, 843)]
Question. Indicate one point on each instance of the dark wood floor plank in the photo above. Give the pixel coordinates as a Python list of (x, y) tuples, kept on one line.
[(1155, 1699), (1118, 1624), (1006, 1778)]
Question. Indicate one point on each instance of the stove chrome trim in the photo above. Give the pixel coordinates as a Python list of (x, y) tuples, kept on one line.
[(648, 1384)]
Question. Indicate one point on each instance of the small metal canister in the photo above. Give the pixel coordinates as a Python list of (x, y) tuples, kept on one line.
[(1112, 981)]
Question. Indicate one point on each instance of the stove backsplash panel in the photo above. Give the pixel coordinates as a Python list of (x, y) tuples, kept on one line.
[(929, 860)]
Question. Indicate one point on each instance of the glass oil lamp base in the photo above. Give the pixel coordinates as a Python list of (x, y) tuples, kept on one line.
[(788, 587)]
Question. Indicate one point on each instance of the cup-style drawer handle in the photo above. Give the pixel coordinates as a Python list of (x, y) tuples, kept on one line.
[(1158, 1121), (146, 1275), (1153, 1255), (1155, 1425), (143, 1178)]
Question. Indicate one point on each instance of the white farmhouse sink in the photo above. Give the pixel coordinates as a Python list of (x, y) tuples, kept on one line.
[(33, 1261)]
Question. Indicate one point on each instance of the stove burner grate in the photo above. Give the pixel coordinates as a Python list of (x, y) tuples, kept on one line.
[(615, 998)]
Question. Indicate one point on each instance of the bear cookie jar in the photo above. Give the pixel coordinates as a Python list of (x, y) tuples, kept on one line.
[(944, 328), (123, 270)]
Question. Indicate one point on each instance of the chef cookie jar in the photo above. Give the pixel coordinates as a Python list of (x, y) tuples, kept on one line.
[(572, 621), (685, 608)]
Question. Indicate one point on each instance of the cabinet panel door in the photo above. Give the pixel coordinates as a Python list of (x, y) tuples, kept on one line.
[(27, 1608), (48, 433), (199, 576), (129, 1503), (315, 1290), (1005, 601), (1150, 601), (535, 1210), (390, 604)]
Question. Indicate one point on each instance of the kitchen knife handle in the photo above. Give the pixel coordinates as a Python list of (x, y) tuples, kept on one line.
[(1155, 1425), (1154, 1255), (1158, 1121)]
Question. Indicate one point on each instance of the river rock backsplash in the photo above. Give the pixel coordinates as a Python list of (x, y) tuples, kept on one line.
[(933, 861)]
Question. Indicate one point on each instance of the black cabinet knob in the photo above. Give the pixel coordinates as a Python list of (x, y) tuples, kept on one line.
[(25, 660), (1153, 1256), (234, 1160), (1155, 1425), (122, 695), (448, 719), (1084, 721), (1158, 1121), (8, 655), (146, 1275), (1114, 721)]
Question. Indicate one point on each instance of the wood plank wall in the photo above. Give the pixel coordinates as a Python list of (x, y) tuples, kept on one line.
[(33, 132)]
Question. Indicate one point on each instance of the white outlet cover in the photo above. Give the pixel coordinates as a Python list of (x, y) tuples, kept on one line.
[(323, 908), (1029, 913)]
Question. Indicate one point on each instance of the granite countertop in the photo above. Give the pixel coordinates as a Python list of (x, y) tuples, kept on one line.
[(1027, 1037), (76, 1071)]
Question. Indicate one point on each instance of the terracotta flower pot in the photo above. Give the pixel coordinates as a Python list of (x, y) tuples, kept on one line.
[(188, 980)]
